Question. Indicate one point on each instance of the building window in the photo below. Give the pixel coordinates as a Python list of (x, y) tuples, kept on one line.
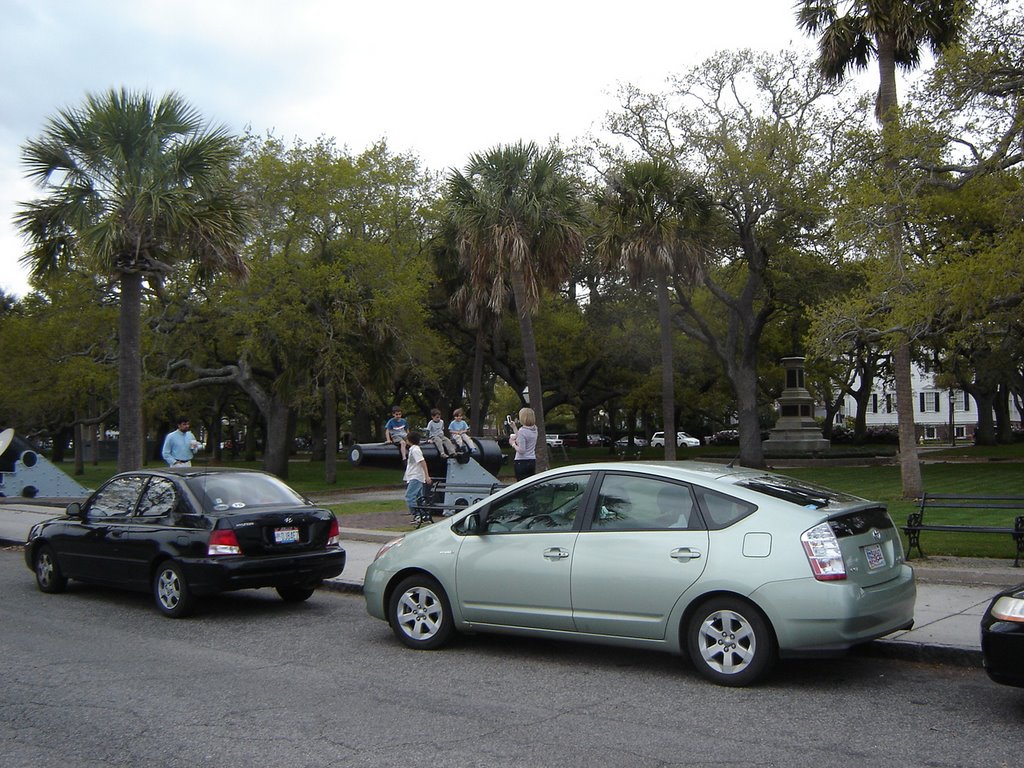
[(961, 433), (929, 401), (929, 433)]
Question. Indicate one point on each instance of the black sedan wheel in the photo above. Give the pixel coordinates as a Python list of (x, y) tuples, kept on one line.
[(48, 576), (730, 642), (171, 590), (295, 593), (419, 613)]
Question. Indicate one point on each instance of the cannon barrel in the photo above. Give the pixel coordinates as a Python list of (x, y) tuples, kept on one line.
[(389, 456)]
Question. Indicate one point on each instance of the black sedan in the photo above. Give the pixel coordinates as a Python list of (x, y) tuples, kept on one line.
[(1002, 637), (183, 533)]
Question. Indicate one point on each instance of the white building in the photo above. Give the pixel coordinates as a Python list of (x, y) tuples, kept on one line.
[(937, 411)]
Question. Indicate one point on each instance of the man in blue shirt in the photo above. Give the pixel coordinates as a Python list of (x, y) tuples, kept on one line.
[(180, 446)]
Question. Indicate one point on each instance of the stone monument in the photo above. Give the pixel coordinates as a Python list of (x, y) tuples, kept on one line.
[(796, 432)]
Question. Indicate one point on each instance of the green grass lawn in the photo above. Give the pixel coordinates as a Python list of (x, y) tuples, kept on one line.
[(964, 470)]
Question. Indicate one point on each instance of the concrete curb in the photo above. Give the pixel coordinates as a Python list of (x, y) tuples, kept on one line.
[(933, 654)]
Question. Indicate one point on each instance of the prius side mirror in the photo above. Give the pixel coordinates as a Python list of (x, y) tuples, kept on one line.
[(75, 510), (470, 525)]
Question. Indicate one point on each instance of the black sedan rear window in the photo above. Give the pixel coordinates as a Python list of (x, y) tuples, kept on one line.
[(234, 492)]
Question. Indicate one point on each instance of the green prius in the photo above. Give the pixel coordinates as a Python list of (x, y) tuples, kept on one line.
[(732, 567)]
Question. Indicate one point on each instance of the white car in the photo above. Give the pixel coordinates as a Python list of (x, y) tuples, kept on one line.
[(682, 440), (554, 441)]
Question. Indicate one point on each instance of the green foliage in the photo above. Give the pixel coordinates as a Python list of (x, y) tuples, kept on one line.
[(59, 356)]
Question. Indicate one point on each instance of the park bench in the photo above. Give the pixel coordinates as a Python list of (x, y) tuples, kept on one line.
[(445, 497), (931, 501)]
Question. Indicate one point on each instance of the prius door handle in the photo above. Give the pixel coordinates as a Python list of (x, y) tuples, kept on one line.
[(682, 554), (556, 553)]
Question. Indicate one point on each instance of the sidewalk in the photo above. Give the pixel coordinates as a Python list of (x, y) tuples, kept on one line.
[(952, 593)]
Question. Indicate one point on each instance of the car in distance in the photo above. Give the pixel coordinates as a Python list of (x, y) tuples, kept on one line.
[(683, 440), (554, 441), (184, 533), (598, 440), (1002, 637), (732, 567), (638, 441)]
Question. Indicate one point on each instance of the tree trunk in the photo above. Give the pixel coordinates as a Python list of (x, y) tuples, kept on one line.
[(476, 386), (984, 401), (668, 387), (317, 442), (1004, 423), (79, 449), (275, 450), (532, 367), (910, 466), (887, 113), (131, 442), (751, 450), (330, 435)]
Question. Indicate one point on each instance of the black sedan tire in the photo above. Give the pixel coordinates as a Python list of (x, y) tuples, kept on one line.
[(419, 613), (170, 589), (295, 593), (730, 642), (49, 578)]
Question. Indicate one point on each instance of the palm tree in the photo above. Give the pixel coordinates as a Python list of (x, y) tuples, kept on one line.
[(649, 215), (132, 185), (893, 32), (519, 220)]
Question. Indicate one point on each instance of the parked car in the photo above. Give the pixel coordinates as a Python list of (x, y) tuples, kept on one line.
[(725, 437), (733, 567), (571, 440), (184, 533), (638, 441), (1002, 637), (554, 441), (682, 440), (598, 440)]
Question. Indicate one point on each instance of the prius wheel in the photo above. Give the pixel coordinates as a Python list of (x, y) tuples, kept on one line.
[(171, 590), (295, 593), (48, 576), (730, 642), (419, 613)]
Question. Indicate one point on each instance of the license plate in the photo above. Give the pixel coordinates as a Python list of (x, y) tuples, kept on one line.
[(873, 554), (286, 535)]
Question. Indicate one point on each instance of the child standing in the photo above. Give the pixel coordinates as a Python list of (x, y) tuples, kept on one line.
[(524, 440), (417, 478), (397, 431), (459, 430), (435, 434)]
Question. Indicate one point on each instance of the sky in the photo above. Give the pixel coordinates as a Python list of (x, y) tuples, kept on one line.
[(442, 79)]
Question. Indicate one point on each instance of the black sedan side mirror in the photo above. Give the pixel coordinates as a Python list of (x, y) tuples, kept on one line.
[(75, 510)]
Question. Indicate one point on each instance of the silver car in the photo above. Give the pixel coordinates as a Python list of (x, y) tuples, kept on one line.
[(733, 567)]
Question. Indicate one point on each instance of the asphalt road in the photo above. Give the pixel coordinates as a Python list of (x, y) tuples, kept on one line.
[(97, 677)]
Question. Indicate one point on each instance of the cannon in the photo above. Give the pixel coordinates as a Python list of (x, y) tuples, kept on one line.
[(388, 455), (468, 477), (25, 472)]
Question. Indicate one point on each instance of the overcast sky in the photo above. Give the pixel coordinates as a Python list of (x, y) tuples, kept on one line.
[(442, 79)]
